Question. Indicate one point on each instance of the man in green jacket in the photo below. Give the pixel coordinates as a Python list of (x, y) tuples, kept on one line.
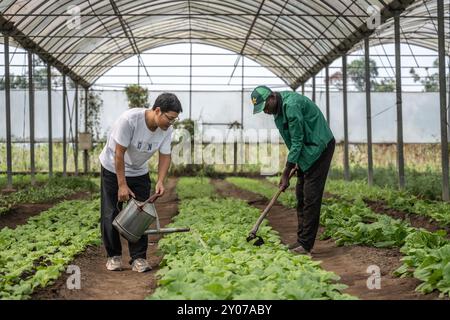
[(311, 146)]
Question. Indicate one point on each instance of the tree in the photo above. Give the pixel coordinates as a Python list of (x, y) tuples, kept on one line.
[(336, 79), (356, 71), (137, 96), (386, 85), (431, 81)]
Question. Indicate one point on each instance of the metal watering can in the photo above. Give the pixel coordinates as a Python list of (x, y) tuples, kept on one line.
[(133, 221)]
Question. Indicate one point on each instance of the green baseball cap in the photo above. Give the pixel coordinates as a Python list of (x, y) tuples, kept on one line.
[(259, 97)]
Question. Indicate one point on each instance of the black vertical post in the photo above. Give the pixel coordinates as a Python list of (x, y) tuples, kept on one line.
[(50, 135), (8, 114), (76, 130), (64, 127), (31, 114), (303, 88), (368, 112), (398, 73), (344, 90), (190, 81), (327, 93), (314, 89), (85, 152), (443, 102)]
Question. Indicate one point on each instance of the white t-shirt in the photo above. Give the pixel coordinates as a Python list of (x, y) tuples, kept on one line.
[(131, 131)]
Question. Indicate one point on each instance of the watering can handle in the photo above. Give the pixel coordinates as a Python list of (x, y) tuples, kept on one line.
[(153, 198)]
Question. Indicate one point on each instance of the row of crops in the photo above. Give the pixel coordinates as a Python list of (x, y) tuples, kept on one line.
[(349, 221), (45, 190), (214, 261), (36, 253)]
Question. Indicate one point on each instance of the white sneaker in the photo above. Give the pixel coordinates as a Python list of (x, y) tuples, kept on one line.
[(114, 263), (141, 265)]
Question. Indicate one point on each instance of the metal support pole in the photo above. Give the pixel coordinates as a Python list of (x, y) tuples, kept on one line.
[(64, 127), (303, 89), (344, 90), (76, 130), (50, 136), (85, 152), (398, 73), (8, 115), (314, 89), (31, 114), (368, 113), (190, 81), (242, 93), (242, 149), (443, 102), (327, 93)]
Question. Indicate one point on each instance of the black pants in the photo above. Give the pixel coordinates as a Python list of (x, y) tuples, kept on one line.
[(110, 236), (309, 191)]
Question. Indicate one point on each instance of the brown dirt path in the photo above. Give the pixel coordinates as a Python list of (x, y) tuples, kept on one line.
[(349, 262), (100, 284)]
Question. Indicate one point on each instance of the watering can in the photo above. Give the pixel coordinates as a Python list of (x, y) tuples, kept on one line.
[(135, 218)]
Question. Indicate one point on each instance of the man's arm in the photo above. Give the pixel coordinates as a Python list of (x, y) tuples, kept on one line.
[(163, 168), (119, 163), (295, 122)]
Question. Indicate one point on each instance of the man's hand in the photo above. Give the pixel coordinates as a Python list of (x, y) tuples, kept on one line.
[(124, 193), (159, 188), (284, 182)]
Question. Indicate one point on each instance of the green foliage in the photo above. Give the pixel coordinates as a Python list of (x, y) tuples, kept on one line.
[(55, 188), (402, 201), (427, 258), (214, 261), (356, 72), (95, 104), (33, 255), (354, 223), (137, 96), (349, 221), (423, 184), (194, 187)]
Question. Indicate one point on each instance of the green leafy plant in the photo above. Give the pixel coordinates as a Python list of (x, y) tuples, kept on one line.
[(33, 255), (214, 261), (137, 96), (56, 188)]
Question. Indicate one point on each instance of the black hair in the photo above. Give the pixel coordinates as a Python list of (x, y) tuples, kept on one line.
[(168, 102)]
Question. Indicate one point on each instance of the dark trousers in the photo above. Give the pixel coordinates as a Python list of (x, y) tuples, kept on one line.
[(110, 236), (309, 192)]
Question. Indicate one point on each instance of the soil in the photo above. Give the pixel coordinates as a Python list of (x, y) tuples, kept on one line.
[(414, 220), (349, 262), (19, 214), (97, 283)]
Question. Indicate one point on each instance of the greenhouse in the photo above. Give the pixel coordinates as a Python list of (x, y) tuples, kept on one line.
[(224, 150)]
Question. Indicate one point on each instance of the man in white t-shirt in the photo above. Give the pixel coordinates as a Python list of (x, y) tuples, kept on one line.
[(134, 138)]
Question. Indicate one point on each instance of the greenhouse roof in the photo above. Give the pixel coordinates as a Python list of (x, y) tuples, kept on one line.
[(293, 39)]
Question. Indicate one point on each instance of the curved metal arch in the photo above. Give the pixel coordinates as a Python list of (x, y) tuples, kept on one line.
[(318, 53), (263, 60)]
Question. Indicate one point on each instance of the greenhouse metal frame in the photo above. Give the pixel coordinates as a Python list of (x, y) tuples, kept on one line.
[(294, 39)]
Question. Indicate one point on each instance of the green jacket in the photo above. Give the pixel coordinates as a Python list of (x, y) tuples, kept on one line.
[(303, 128)]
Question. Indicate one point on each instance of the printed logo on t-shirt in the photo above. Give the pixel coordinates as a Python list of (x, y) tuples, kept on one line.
[(139, 145), (149, 147)]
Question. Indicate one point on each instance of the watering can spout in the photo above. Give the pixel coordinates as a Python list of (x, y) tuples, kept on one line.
[(167, 230)]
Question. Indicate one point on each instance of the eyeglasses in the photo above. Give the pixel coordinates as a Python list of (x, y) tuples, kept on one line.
[(171, 121)]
